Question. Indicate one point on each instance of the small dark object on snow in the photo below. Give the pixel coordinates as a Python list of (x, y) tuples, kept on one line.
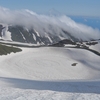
[(74, 64)]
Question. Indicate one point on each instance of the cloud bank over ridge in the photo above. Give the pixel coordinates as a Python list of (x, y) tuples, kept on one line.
[(47, 24)]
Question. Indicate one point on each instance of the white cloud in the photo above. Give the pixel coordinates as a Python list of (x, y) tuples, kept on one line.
[(48, 24)]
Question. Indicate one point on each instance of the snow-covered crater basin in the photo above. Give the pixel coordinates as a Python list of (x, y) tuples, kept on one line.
[(51, 63), (47, 73)]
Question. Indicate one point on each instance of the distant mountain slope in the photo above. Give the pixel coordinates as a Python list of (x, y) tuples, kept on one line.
[(30, 35), (25, 35)]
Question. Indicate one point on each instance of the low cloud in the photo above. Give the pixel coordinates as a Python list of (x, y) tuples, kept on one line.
[(47, 24)]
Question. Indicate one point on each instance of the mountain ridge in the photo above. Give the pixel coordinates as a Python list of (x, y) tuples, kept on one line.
[(25, 35)]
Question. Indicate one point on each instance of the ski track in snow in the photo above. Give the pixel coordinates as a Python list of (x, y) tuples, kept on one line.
[(47, 74)]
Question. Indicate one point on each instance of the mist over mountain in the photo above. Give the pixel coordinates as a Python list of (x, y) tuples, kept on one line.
[(25, 25)]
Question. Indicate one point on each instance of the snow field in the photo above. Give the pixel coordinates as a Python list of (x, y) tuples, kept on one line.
[(47, 73)]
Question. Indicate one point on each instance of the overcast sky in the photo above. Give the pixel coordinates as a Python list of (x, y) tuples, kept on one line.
[(68, 7)]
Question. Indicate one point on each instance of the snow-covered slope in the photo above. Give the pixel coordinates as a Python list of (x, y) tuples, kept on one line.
[(48, 73), (43, 60)]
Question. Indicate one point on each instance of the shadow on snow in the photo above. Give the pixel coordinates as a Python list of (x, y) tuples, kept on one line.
[(75, 86)]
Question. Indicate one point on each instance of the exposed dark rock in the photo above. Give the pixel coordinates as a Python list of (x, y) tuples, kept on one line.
[(74, 64), (63, 42), (92, 43), (1, 27)]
